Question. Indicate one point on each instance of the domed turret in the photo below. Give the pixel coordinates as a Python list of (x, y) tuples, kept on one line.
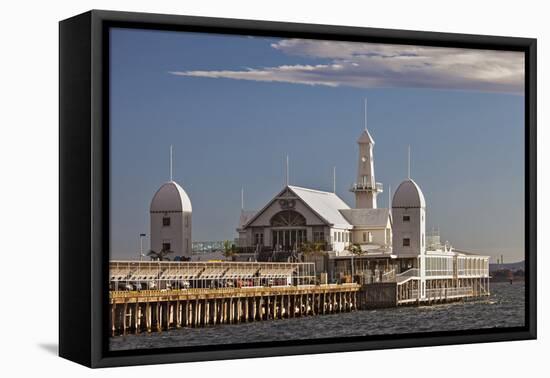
[(170, 197), (170, 214), (409, 220), (408, 195)]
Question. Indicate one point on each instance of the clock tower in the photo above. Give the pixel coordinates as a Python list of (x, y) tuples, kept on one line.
[(366, 188)]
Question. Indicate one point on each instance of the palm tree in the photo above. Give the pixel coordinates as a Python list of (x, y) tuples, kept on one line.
[(229, 249), (159, 256), (355, 249), (306, 248)]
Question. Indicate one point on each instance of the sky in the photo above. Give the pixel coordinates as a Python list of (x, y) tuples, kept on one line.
[(234, 106)]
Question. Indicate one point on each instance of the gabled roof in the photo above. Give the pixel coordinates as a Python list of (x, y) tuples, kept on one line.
[(367, 217), (246, 215), (325, 205), (365, 137)]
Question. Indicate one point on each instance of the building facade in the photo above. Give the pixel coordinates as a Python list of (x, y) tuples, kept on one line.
[(297, 215), (365, 243)]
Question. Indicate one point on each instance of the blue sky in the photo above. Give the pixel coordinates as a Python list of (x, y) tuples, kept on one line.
[(233, 106)]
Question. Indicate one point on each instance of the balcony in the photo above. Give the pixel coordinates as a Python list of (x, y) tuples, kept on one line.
[(363, 187)]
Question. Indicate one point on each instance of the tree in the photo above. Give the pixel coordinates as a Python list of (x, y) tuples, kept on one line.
[(355, 249), (306, 248), (310, 248), (159, 256), (229, 249)]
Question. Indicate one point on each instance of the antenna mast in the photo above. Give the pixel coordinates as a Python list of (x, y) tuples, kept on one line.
[(334, 180), (287, 172), (365, 113), (409, 164), (242, 198), (171, 164)]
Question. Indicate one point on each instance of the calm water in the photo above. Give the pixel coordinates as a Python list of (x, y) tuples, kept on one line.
[(504, 308)]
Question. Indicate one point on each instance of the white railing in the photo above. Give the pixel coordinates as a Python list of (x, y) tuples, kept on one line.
[(449, 292), (388, 276), (473, 273), (439, 272), (406, 275), (379, 187)]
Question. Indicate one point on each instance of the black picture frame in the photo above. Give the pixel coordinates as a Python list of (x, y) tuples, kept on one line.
[(84, 183)]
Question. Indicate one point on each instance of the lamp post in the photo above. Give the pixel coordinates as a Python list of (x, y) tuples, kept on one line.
[(141, 236)]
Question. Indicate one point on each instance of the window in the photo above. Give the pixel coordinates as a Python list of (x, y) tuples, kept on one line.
[(318, 236), (166, 221), (406, 218), (364, 237), (166, 246), (187, 221), (406, 242), (288, 218), (259, 239)]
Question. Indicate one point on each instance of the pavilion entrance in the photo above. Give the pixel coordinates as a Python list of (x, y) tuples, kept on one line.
[(288, 231), (288, 239)]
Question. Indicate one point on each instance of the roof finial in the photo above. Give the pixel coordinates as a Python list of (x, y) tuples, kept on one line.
[(389, 197), (365, 113), (171, 164), (409, 164)]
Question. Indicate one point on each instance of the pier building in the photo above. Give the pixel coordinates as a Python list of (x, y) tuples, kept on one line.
[(365, 244), (306, 252)]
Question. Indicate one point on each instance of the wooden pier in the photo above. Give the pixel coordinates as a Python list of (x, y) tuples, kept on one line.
[(160, 310), (158, 296)]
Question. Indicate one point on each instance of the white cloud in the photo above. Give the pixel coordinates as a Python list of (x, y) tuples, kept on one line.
[(367, 65)]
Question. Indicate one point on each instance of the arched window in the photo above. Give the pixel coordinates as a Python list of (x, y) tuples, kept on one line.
[(288, 218)]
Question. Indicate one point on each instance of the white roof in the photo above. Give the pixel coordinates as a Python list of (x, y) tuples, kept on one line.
[(408, 194), (170, 197), (367, 217), (325, 204)]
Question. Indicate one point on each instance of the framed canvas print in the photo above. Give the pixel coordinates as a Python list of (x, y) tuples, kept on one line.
[(233, 188)]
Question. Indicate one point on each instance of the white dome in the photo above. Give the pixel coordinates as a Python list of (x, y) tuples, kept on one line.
[(170, 197), (408, 194)]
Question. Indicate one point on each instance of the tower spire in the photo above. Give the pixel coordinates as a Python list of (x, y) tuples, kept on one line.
[(171, 164), (366, 188)]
